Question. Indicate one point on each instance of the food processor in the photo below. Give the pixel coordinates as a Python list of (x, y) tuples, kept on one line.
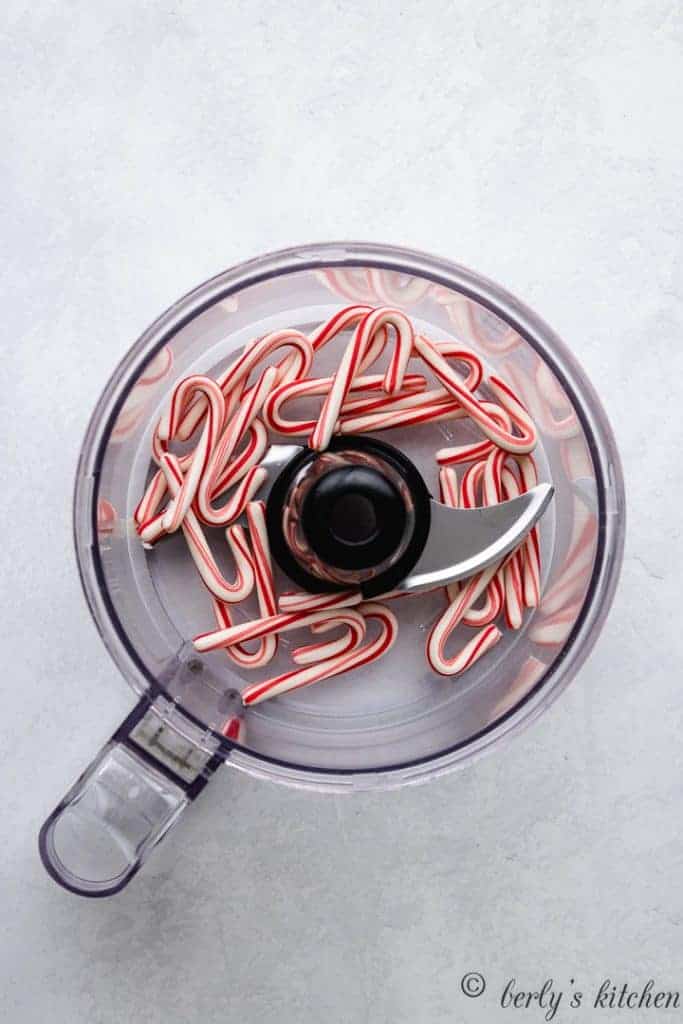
[(387, 724)]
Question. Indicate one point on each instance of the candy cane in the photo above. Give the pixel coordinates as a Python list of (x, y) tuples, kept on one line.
[(458, 454), (263, 566), (405, 412), (429, 407), (237, 373), (352, 361), (363, 655), (354, 635), (453, 615), (530, 562), (480, 644), (201, 553), (225, 447), (494, 594), (470, 483), (448, 487), (300, 601), (525, 442), (272, 409), (246, 459), (511, 574), (183, 393), (279, 623), (266, 646), (265, 590), (341, 321)]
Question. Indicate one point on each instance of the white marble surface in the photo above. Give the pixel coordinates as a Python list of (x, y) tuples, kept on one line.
[(146, 147)]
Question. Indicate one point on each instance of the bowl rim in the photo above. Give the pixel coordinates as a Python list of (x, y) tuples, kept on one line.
[(598, 435)]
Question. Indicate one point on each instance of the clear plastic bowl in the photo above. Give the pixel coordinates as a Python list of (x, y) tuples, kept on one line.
[(395, 722)]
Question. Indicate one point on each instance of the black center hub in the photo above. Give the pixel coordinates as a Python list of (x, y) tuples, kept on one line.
[(355, 516)]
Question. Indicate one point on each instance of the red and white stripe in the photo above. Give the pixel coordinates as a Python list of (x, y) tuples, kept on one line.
[(306, 676), (521, 443), (279, 623), (182, 395), (354, 634), (351, 365)]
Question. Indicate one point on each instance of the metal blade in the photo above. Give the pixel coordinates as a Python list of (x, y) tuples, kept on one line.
[(462, 541)]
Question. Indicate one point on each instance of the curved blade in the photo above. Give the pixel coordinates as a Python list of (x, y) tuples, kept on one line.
[(463, 541)]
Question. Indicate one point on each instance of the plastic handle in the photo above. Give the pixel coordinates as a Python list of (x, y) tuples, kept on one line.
[(125, 802)]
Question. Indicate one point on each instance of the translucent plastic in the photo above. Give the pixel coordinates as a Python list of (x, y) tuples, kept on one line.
[(96, 840), (396, 721)]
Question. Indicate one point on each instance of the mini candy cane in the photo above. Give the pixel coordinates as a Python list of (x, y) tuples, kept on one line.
[(403, 412), (265, 646), (237, 373), (351, 363), (525, 442), (480, 644), (446, 623), (257, 440), (530, 562), (246, 459), (262, 627), (354, 635), (479, 449), (409, 410), (201, 553), (223, 450), (511, 573), (265, 590), (300, 601), (494, 594), (448, 487), (340, 322), (182, 395), (449, 494), (294, 680), (272, 409)]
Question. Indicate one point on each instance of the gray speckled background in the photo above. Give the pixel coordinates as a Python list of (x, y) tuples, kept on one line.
[(144, 148)]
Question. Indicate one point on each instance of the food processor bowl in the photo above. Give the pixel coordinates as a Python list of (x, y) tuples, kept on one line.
[(395, 721)]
